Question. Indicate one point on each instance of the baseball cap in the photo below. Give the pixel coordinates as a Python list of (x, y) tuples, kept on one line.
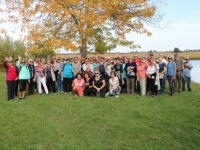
[(176, 54)]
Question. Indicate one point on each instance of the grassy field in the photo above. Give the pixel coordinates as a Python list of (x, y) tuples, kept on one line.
[(51, 122)]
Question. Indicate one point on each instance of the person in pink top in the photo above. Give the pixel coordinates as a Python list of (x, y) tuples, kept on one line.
[(141, 76), (11, 77), (78, 85)]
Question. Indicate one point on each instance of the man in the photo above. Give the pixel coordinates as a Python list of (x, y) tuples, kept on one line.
[(179, 70), (187, 69), (137, 61)]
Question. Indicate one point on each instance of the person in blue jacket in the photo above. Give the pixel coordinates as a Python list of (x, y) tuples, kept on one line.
[(67, 76)]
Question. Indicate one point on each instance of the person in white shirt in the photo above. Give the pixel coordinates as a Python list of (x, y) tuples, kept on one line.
[(151, 74), (114, 88), (87, 67)]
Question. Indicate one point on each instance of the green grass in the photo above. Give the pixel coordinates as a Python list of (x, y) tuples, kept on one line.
[(89, 123)]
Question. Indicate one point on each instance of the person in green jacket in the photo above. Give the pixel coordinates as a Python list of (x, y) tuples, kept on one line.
[(24, 77)]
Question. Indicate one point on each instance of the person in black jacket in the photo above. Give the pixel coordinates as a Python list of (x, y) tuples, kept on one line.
[(32, 73)]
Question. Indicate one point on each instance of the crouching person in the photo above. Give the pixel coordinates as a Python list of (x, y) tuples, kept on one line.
[(78, 85), (114, 88)]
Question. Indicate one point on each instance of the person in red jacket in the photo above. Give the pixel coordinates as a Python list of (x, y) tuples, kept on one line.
[(11, 77)]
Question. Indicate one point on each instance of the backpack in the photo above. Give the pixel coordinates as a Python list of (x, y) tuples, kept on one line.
[(101, 68)]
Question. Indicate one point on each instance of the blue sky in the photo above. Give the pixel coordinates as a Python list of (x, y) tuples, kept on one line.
[(182, 31)]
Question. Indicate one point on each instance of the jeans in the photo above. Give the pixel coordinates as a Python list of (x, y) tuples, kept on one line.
[(162, 85), (11, 89), (188, 84), (171, 83), (115, 92), (59, 83)]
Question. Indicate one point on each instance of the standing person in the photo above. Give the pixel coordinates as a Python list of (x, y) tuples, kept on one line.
[(152, 74), (136, 84), (32, 73), (130, 69), (109, 69), (99, 84), (11, 77), (102, 67), (50, 76), (114, 88), (162, 71), (82, 62), (88, 84), (171, 74), (87, 67), (141, 76), (17, 82), (117, 67), (92, 61), (179, 70), (24, 77), (59, 75), (39, 76), (78, 85), (67, 76), (187, 69), (76, 67), (125, 61)]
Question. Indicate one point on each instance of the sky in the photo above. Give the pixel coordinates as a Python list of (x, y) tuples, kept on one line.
[(181, 24)]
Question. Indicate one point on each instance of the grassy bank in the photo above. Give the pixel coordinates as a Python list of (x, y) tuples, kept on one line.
[(129, 122), (192, 55)]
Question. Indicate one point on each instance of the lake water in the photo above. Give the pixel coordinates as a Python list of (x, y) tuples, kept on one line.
[(195, 72)]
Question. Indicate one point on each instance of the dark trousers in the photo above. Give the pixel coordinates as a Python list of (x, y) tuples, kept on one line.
[(30, 87), (51, 83), (88, 91), (22, 85), (67, 84), (16, 87), (152, 85), (148, 86), (188, 83), (11, 89), (107, 83), (171, 84), (124, 86), (136, 85), (162, 85), (102, 92)]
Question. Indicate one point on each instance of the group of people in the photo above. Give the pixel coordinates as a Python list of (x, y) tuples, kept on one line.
[(98, 76)]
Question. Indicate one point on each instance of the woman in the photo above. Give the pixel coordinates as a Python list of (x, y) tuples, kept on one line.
[(87, 67), (130, 69), (39, 76), (171, 74), (78, 85), (141, 76), (59, 75), (114, 88), (50, 76), (152, 74), (98, 84), (11, 77), (24, 77), (67, 76), (162, 71), (125, 61), (32, 73), (76, 67), (88, 84)]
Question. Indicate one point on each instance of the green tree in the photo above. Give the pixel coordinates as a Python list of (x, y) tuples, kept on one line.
[(176, 50)]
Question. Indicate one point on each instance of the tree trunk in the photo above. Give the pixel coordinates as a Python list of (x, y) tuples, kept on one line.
[(83, 49)]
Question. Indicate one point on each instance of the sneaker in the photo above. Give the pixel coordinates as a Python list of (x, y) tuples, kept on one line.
[(107, 94), (65, 92), (117, 96), (9, 100), (62, 92), (75, 95), (40, 93), (171, 94), (70, 92), (58, 91), (97, 95), (132, 93)]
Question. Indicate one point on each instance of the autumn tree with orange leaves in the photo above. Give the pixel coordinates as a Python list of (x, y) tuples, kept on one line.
[(82, 25)]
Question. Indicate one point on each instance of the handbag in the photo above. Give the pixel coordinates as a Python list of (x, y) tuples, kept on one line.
[(131, 74)]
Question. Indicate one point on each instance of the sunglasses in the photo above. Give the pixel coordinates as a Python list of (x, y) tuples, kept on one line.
[(22, 62), (96, 73), (63, 59), (169, 58), (10, 62), (30, 61), (150, 55), (58, 59), (186, 59)]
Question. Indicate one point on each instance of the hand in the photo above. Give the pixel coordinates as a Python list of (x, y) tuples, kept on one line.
[(138, 79), (34, 80), (19, 57), (98, 90), (174, 77), (6, 59), (15, 79), (29, 81)]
